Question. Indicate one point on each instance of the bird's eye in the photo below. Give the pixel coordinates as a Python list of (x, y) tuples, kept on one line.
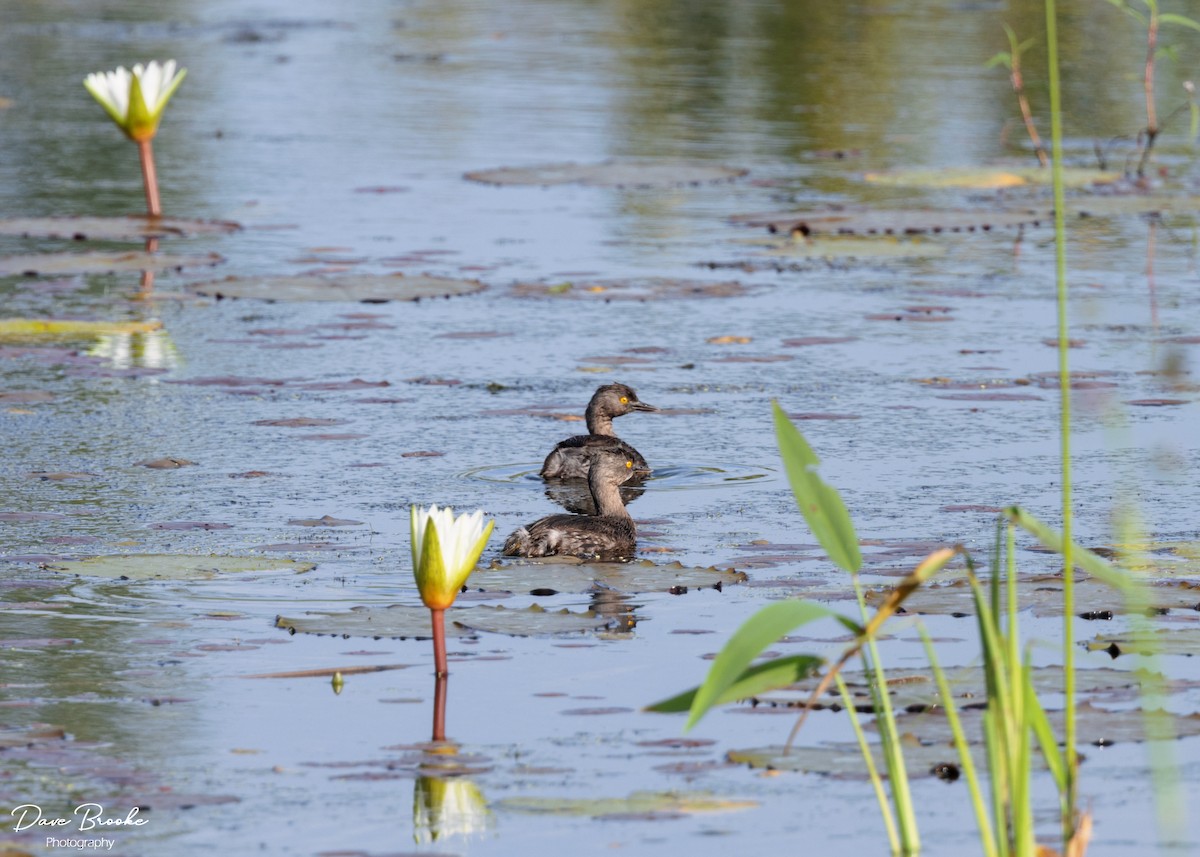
[(624, 400), (629, 465)]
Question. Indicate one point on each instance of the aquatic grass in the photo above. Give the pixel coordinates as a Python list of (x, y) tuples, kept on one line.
[(1153, 19), (1011, 60)]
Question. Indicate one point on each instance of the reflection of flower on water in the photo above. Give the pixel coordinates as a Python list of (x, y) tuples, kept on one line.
[(448, 806), (150, 350)]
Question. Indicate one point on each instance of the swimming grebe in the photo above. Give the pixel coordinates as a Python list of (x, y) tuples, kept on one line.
[(610, 534), (571, 458)]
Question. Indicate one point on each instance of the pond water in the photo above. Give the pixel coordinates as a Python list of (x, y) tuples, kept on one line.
[(339, 140)]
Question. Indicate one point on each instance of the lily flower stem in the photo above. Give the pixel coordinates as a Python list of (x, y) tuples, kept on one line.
[(439, 641), (149, 178), (440, 684)]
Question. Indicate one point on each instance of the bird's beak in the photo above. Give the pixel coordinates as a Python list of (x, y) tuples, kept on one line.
[(642, 406)]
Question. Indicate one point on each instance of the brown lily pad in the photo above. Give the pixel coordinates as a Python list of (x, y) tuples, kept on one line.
[(639, 174), (25, 397), (168, 463), (189, 525), (367, 288), (300, 422), (101, 262), (631, 289), (131, 228), (324, 521)]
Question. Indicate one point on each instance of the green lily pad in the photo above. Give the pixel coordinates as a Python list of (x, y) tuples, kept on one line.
[(365, 288), (39, 328), (1096, 726), (176, 566), (914, 689), (641, 174), (842, 760), (892, 223), (1163, 641), (631, 289), (1043, 595), (989, 177), (131, 228), (101, 262), (402, 621), (637, 803), (624, 578)]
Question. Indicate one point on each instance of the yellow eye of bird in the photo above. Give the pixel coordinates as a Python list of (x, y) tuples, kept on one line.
[(624, 400), (629, 465)]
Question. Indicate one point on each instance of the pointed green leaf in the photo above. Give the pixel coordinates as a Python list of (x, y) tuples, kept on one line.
[(772, 675), (756, 633), (1091, 563), (820, 504), (1179, 20)]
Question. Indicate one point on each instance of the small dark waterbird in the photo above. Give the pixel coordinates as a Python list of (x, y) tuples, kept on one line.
[(609, 534), (572, 458)]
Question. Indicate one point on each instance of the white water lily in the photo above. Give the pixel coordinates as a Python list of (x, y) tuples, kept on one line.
[(445, 549), (135, 100)]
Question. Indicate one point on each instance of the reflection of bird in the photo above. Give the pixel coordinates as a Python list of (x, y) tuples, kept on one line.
[(571, 458), (610, 534)]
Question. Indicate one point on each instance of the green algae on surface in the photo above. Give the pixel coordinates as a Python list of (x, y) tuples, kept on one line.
[(130, 228)]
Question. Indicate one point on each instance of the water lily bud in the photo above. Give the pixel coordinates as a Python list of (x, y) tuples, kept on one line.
[(445, 550)]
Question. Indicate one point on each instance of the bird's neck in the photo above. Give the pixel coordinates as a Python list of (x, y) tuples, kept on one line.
[(598, 422), (606, 496)]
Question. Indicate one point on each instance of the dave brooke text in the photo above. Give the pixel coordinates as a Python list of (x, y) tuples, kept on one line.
[(88, 816)]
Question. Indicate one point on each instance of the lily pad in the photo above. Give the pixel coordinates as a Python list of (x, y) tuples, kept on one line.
[(916, 690), (887, 247), (1164, 641), (176, 566), (989, 177), (637, 803), (1043, 594), (893, 223), (131, 228), (38, 328), (641, 174), (98, 262), (401, 621), (842, 760), (620, 577), (368, 288), (631, 289)]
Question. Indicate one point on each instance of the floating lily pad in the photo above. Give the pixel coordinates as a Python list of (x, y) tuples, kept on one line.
[(632, 289), (619, 577), (641, 174), (893, 223), (131, 228), (852, 248), (1165, 641), (368, 288), (637, 803), (842, 760), (37, 328), (97, 262), (406, 622), (989, 177), (1043, 594), (915, 689), (176, 566)]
